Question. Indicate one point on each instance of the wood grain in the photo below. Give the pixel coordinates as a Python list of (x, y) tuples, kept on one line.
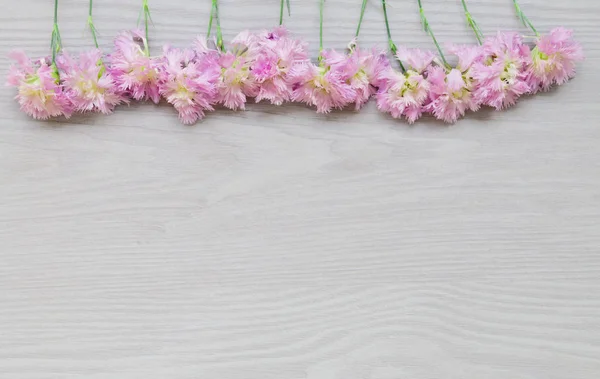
[(277, 243)]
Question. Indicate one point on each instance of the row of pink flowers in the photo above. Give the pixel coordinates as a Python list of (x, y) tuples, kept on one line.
[(274, 67)]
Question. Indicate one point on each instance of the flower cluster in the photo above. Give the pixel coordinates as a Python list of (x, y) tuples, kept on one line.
[(273, 66)]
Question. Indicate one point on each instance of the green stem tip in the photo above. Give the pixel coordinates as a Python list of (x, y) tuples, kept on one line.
[(147, 17), (55, 40), (287, 5), (214, 14), (391, 43), (472, 23), (362, 14), (321, 8), (428, 30), (524, 18), (91, 25)]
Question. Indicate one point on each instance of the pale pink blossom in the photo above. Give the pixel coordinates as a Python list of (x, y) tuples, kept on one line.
[(374, 63), (324, 86), (468, 56), (363, 69), (277, 53), (134, 71), (404, 94), (236, 82), (450, 96), (40, 93), (189, 82), (451, 92), (88, 84), (416, 59), (502, 73), (553, 59)]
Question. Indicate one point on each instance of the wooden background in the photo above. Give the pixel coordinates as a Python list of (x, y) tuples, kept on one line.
[(280, 244)]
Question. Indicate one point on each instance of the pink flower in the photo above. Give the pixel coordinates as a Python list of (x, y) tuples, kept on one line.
[(405, 94), (362, 70), (374, 64), (324, 86), (235, 82), (277, 53), (418, 60), (502, 74), (189, 82), (289, 49), (468, 56), (273, 84), (553, 59), (133, 70), (40, 94), (451, 93), (87, 83), (274, 35)]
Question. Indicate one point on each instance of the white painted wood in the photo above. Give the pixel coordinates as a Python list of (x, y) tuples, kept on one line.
[(280, 244)]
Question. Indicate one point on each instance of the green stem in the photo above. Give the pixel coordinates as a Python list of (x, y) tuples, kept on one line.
[(391, 43), (472, 23), (210, 21), (146, 14), (430, 32), (55, 12), (91, 24), (287, 5), (362, 14), (214, 14), (146, 11), (524, 18), (321, 6), (218, 19), (55, 41)]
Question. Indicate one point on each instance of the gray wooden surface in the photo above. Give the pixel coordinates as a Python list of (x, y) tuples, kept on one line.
[(280, 244)]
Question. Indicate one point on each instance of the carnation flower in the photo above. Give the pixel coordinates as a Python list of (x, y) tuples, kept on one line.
[(133, 70), (277, 53), (40, 93), (235, 82), (451, 93), (372, 64), (362, 70), (553, 59), (404, 94), (502, 73), (324, 86), (189, 82), (88, 84)]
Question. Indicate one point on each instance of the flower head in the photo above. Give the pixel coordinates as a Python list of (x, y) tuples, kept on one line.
[(362, 69), (451, 92), (416, 59), (133, 70), (502, 73), (189, 82), (553, 59), (468, 56), (405, 94), (88, 84), (324, 86), (235, 82), (277, 53), (40, 93)]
